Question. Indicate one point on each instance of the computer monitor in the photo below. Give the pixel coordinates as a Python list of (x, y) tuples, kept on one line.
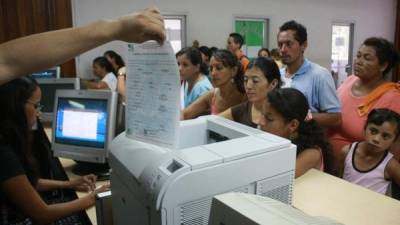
[(49, 73), (242, 208), (84, 125), (49, 86)]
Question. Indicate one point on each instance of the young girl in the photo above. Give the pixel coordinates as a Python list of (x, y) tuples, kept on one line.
[(369, 163), (286, 114), (227, 78), (192, 71), (262, 75), (20, 181)]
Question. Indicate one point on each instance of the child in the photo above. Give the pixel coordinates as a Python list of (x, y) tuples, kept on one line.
[(286, 114), (369, 163)]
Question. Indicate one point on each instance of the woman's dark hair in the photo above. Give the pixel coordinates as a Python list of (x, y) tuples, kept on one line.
[(265, 50), (275, 54), (213, 49), (15, 132), (291, 104), (118, 59), (228, 59), (194, 56), (104, 63), (206, 51), (268, 67), (379, 116), (385, 51)]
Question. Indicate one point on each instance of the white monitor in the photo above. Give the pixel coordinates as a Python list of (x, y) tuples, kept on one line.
[(242, 208), (84, 124), (49, 86), (49, 73)]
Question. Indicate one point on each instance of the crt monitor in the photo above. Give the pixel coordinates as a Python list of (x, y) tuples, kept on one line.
[(49, 86), (84, 125), (49, 73), (236, 208)]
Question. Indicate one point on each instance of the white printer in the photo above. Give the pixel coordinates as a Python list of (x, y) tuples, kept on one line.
[(152, 185)]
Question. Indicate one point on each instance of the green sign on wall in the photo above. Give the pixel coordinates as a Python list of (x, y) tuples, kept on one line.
[(254, 35)]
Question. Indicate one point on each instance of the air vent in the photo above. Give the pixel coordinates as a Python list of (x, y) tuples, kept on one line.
[(196, 212), (277, 187)]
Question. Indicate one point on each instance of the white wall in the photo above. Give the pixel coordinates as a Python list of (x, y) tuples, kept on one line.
[(211, 21)]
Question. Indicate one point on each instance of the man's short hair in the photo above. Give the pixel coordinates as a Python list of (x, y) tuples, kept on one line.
[(300, 30), (237, 38)]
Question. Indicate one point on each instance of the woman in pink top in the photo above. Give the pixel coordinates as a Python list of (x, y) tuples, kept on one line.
[(227, 78), (366, 90), (369, 163)]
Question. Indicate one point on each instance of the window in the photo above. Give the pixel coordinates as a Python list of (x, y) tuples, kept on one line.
[(342, 45), (254, 32), (175, 26)]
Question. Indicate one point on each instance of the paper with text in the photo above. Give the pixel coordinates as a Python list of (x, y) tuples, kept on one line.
[(153, 94)]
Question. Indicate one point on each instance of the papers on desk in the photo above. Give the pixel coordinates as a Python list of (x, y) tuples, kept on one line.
[(153, 94)]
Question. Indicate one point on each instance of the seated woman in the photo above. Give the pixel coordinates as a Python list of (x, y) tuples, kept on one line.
[(20, 183), (119, 66), (366, 90), (286, 114), (227, 78), (262, 75), (104, 70), (192, 71)]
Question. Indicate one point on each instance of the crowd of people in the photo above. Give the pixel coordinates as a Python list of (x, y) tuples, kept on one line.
[(351, 132)]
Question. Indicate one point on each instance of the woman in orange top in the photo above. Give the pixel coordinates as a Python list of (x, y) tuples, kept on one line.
[(366, 90)]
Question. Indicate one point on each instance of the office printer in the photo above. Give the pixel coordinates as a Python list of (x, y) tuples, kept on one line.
[(152, 185)]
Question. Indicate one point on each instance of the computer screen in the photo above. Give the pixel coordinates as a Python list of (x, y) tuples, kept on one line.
[(81, 122), (49, 87), (49, 73), (84, 124)]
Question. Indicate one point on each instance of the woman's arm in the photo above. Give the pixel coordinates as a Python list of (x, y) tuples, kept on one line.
[(94, 84), (309, 158), (227, 114), (121, 88), (198, 107), (22, 194), (392, 171), (41, 51)]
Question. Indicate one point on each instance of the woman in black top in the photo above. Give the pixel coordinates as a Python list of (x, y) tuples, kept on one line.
[(20, 202), (262, 75)]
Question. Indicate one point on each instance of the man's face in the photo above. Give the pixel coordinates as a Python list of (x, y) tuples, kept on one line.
[(231, 45), (291, 50)]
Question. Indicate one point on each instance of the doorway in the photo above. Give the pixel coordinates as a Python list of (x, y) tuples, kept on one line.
[(342, 51)]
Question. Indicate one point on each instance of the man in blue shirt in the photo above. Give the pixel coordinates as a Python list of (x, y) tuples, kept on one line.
[(314, 81)]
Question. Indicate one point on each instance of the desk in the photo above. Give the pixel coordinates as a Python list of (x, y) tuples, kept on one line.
[(320, 194)]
